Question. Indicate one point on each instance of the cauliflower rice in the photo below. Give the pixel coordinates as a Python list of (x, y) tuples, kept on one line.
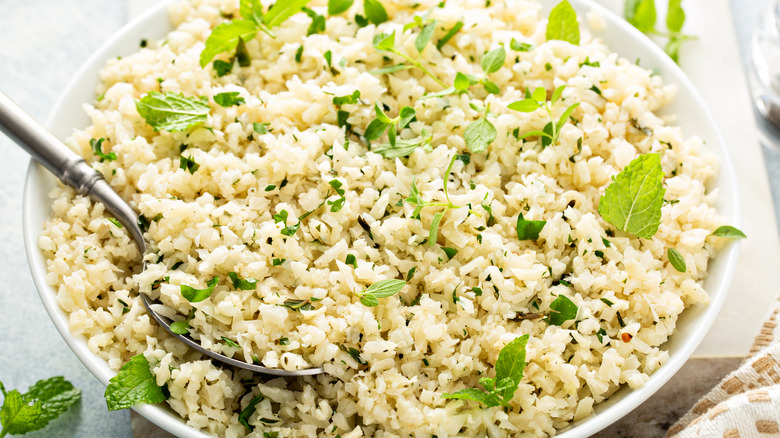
[(438, 334)]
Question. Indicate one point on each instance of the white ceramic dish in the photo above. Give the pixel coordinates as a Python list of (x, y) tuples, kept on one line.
[(690, 108)]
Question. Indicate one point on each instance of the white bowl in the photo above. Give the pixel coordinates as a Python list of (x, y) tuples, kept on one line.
[(693, 116)]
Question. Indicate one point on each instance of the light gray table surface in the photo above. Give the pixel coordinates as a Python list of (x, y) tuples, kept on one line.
[(42, 44)]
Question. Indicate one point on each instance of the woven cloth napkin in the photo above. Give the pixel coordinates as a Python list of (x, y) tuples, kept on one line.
[(746, 403)]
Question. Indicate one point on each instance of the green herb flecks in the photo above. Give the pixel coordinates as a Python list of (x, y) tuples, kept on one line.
[(188, 164), (229, 99), (633, 200), (380, 289), (43, 402), (247, 412), (172, 112), (499, 390), (134, 384), (97, 149), (538, 100), (242, 283)]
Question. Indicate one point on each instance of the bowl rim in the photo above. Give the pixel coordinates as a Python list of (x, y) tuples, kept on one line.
[(164, 417)]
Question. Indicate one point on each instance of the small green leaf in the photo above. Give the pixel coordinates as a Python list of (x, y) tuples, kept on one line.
[(520, 47), (425, 36), (317, 22), (511, 364), (729, 232), (197, 295), (385, 288), (369, 300), (633, 201), (188, 164), (282, 10), (450, 252), (562, 309), (230, 343), (641, 14), (181, 327), (380, 114), (391, 69), (19, 416), (539, 95), (405, 116), (433, 235), (562, 24), (241, 283), (676, 259), (462, 82), (524, 106), (493, 60), (134, 384), (349, 99), (375, 129), (488, 399), (247, 412), (172, 112), (375, 11), (225, 38), (491, 87), (403, 147), (528, 230), (260, 128), (566, 114), (336, 7), (229, 99), (557, 94), (479, 135), (222, 67), (675, 16)]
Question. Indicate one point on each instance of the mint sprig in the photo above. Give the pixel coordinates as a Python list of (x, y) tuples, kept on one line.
[(633, 201), (499, 390), (642, 15), (172, 112), (134, 384), (538, 100), (43, 402), (562, 309)]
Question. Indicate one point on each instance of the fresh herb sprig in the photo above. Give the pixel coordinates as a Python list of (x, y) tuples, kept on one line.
[(134, 384), (172, 112), (642, 15), (480, 133), (386, 42), (43, 402), (229, 35), (538, 100), (499, 390), (562, 24), (562, 309)]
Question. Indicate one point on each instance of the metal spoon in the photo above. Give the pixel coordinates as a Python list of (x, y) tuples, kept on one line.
[(72, 170)]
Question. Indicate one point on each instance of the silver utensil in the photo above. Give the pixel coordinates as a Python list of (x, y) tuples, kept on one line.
[(72, 170)]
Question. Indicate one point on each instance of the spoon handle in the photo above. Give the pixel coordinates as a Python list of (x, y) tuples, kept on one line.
[(65, 164)]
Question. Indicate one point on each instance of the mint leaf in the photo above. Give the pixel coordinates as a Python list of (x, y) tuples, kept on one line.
[(641, 14), (282, 10), (18, 416), (225, 38), (336, 7), (676, 259), (450, 252), (493, 60), (251, 10), (562, 309), (247, 412), (525, 106), (229, 99), (528, 230), (510, 365), (385, 288), (317, 22), (188, 164), (425, 36), (260, 128), (134, 384), (181, 327), (44, 401), (223, 67), (97, 149), (375, 11), (488, 399), (675, 16), (197, 295), (633, 201), (384, 41), (380, 289), (479, 135), (562, 24), (433, 235), (172, 112), (241, 283), (350, 99), (729, 232)]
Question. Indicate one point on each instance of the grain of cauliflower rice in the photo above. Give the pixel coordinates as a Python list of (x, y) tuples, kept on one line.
[(446, 327)]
